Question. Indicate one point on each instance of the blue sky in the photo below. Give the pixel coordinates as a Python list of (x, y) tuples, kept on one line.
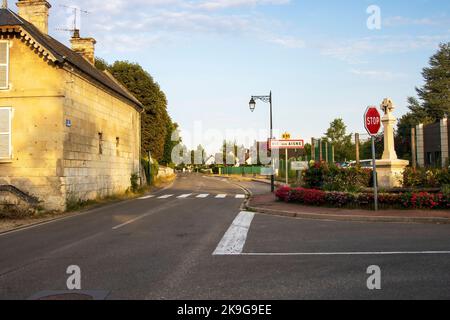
[(318, 57)]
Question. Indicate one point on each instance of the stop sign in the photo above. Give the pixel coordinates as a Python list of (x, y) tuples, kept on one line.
[(372, 120)]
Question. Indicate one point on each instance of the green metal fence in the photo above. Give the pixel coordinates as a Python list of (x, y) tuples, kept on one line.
[(240, 170)]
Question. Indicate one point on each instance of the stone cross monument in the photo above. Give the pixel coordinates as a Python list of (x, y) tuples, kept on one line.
[(389, 168)]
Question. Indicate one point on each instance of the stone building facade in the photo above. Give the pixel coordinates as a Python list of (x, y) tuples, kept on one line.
[(67, 130), (433, 144)]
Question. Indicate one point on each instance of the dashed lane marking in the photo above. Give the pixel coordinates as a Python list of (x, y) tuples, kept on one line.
[(221, 196), (202, 196)]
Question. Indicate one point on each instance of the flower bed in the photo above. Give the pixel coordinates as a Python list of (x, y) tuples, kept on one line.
[(411, 200)]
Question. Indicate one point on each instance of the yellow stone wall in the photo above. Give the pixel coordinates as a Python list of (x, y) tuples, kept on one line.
[(36, 96), (54, 162), (89, 174)]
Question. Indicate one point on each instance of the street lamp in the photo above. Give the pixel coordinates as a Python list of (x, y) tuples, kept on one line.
[(252, 105)]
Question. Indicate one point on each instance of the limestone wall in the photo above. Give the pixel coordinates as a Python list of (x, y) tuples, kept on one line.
[(88, 171), (36, 99), (53, 160)]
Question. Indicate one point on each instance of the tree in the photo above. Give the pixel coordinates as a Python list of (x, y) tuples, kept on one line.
[(417, 114), (435, 94), (366, 147), (337, 135), (434, 100), (156, 122), (172, 139)]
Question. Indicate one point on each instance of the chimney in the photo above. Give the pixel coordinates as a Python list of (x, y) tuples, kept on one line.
[(84, 46), (35, 12)]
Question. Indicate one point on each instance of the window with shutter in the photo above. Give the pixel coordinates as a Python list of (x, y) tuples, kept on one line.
[(5, 133), (4, 65)]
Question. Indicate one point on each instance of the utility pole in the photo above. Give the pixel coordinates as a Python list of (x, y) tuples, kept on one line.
[(320, 151), (357, 149), (413, 148)]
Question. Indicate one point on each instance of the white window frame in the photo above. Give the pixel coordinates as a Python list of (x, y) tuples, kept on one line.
[(7, 64), (8, 133)]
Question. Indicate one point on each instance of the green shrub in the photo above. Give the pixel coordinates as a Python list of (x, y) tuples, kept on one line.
[(134, 179), (425, 178), (154, 168), (332, 178)]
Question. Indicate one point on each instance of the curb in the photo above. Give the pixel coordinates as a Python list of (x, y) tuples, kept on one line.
[(351, 218)]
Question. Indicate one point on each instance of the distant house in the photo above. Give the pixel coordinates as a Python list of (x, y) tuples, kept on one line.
[(433, 144), (67, 130), (211, 160)]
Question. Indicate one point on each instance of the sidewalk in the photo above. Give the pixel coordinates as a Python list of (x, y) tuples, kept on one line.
[(268, 204)]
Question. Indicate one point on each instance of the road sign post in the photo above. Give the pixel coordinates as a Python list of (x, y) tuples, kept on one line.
[(372, 123), (287, 143)]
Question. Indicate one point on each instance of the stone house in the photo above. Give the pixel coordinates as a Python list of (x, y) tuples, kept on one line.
[(67, 130)]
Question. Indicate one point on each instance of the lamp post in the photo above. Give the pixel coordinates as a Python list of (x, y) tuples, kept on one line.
[(252, 105)]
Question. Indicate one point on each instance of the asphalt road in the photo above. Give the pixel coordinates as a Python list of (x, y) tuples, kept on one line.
[(161, 247)]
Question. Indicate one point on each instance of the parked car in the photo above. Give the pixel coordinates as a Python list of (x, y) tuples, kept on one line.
[(363, 163)]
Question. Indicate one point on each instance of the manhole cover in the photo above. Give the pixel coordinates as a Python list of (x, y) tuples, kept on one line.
[(70, 295)]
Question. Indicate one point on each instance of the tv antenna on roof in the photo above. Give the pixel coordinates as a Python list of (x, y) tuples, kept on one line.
[(76, 13)]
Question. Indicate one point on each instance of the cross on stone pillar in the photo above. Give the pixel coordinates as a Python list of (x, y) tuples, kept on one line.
[(389, 122)]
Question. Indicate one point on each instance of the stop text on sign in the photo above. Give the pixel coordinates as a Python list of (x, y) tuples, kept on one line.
[(372, 121)]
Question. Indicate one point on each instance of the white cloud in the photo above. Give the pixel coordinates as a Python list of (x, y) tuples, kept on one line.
[(378, 74), (171, 20), (405, 21), (355, 51), (225, 4)]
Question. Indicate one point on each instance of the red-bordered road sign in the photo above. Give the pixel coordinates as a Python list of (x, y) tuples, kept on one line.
[(287, 144), (372, 120)]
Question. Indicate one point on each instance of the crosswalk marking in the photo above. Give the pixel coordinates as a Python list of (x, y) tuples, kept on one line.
[(198, 196), (166, 196), (146, 197), (184, 196)]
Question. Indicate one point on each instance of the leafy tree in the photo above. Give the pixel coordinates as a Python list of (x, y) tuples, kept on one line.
[(366, 147), (156, 122), (101, 64), (434, 100), (417, 114), (337, 135), (172, 128), (435, 94)]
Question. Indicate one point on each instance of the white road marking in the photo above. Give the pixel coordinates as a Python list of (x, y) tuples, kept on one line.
[(166, 196), (240, 196), (221, 196), (375, 253), (234, 239), (146, 197), (203, 195), (184, 196)]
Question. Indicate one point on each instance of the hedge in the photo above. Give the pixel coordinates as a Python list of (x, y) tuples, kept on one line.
[(315, 197), (331, 178)]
